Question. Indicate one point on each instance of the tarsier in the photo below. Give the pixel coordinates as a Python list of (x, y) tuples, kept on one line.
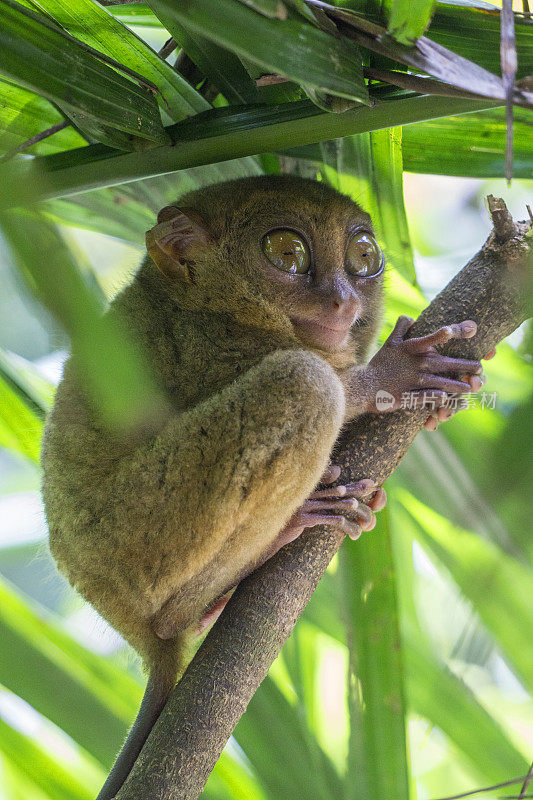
[(258, 305)]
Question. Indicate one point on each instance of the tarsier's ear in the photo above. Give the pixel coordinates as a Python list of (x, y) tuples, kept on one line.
[(175, 240)]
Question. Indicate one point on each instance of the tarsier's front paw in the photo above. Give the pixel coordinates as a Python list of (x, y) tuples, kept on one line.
[(350, 508), (411, 373), (446, 412)]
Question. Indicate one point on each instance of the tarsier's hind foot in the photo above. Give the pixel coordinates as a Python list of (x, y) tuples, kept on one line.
[(212, 613), (349, 508)]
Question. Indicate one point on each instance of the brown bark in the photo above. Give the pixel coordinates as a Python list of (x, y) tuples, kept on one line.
[(236, 655)]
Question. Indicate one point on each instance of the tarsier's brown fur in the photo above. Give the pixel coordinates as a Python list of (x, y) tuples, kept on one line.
[(151, 531), (132, 528)]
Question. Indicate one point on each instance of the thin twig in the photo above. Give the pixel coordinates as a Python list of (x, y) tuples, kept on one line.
[(270, 80), (37, 138), (504, 226), (187, 68), (508, 65), (484, 789), (424, 56), (527, 781), (168, 48), (417, 83)]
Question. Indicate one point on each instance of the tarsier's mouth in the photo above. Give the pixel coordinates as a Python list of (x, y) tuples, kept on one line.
[(324, 335)]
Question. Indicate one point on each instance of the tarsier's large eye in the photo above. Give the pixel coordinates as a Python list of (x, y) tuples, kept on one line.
[(363, 256), (287, 251)]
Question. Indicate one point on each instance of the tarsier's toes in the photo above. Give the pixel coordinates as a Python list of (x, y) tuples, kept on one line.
[(331, 474), (433, 421), (358, 490), (338, 507), (346, 510), (379, 501), (212, 613), (443, 414), (476, 381), (339, 523)]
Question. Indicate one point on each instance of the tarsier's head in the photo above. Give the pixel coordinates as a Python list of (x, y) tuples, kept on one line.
[(274, 251)]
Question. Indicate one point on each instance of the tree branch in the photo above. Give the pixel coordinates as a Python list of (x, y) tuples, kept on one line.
[(207, 703)]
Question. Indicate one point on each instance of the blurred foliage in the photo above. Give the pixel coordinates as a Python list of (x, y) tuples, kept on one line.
[(410, 670)]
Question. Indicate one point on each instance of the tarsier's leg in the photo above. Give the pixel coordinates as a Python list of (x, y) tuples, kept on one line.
[(235, 469), (349, 508)]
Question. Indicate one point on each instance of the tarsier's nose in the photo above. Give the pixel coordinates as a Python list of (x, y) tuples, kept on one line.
[(344, 301)]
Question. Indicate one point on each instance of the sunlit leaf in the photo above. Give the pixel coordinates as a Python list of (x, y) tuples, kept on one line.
[(220, 66), (499, 586), (27, 382), (301, 51), (408, 20), (231, 780), (55, 777), (24, 114), (93, 24), (368, 605), (115, 374), (20, 427), (471, 32), (85, 695), (73, 78), (442, 697), (282, 750), (475, 145)]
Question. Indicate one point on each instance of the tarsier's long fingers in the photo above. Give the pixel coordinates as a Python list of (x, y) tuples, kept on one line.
[(443, 384), (435, 362), (470, 372), (459, 330), (349, 508), (476, 379), (441, 415), (403, 324), (338, 504), (429, 398)]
